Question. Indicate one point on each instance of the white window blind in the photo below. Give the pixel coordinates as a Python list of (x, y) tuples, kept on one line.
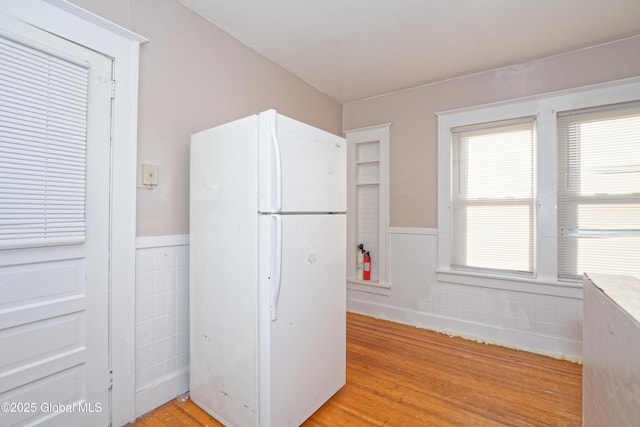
[(492, 200), (599, 191), (43, 127)]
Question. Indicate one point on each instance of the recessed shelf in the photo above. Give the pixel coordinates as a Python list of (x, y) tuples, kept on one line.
[(367, 209)]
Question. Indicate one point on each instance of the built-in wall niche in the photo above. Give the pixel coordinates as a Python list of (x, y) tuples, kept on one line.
[(367, 214)]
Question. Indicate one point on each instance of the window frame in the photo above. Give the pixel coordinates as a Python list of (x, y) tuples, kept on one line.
[(467, 202), (545, 108)]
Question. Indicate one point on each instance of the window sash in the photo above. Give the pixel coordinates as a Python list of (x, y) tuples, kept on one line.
[(598, 228), (492, 223)]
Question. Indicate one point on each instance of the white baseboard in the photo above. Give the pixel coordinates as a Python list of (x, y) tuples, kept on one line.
[(160, 393), (520, 340)]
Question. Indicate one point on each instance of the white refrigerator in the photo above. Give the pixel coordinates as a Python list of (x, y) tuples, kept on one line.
[(267, 279)]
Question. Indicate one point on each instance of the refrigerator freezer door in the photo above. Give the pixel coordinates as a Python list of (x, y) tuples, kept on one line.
[(305, 345), (302, 168)]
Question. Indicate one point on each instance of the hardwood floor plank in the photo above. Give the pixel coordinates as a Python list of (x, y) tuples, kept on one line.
[(399, 375), (177, 414)]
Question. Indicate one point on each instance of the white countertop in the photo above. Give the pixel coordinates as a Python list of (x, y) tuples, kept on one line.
[(623, 290)]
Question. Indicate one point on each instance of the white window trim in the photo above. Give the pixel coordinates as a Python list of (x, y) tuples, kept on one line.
[(544, 107)]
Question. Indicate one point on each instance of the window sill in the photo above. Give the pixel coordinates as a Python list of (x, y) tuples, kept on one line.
[(369, 286), (511, 283)]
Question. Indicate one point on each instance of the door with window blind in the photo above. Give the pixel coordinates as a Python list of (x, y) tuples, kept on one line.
[(55, 109)]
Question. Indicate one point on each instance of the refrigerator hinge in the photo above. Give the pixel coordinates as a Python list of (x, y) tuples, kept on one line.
[(110, 383)]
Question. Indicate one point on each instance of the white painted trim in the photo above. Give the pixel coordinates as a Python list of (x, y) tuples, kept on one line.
[(155, 395), (86, 29), (145, 242), (96, 20), (538, 97), (511, 283), (368, 128), (413, 230), (521, 340), (369, 287)]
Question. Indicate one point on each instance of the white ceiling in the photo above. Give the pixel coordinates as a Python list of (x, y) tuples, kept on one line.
[(354, 49)]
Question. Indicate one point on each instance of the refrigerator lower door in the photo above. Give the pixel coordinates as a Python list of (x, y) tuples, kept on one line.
[(303, 351)]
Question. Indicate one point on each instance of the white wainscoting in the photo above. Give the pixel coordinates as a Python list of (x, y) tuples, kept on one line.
[(546, 324), (519, 318), (162, 320)]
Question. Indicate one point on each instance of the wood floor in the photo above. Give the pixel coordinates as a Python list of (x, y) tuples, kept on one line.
[(398, 375)]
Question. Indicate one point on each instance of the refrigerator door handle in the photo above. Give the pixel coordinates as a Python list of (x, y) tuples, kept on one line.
[(275, 287), (278, 168)]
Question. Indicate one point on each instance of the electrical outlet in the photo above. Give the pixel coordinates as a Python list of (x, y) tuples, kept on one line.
[(149, 175)]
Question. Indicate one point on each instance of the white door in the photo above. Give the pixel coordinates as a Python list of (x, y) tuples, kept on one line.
[(55, 108)]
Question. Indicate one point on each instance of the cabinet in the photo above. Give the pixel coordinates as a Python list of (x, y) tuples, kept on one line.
[(611, 344), (367, 208)]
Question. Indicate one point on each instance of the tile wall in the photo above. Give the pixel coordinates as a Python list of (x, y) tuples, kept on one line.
[(162, 320), (535, 322), (547, 324)]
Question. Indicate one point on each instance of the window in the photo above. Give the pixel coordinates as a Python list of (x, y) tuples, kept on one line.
[(492, 205), (599, 191), (537, 191)]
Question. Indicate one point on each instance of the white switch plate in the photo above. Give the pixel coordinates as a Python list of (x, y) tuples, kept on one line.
[(149, 175)]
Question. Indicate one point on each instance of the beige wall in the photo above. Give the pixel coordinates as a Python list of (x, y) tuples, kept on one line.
[(193, 76), (413, 142)]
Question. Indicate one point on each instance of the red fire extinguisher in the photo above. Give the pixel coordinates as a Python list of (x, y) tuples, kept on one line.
[(366, 274)]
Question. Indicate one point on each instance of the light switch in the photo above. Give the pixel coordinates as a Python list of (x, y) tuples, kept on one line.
[(149, 175)]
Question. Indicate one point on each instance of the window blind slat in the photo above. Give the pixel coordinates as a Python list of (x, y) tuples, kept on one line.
[(27, 91), (22, 54), (31, 108), (29, 137), (16, 141), (43, 119), (29, 179), (64, 85), (47, 124), (16, 74), (54, 159), (28, 99)]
